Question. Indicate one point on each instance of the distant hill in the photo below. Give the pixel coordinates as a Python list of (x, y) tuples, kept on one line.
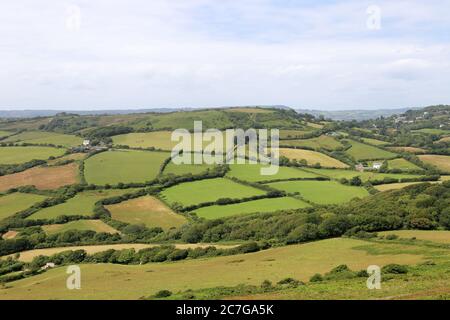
[(355, 114)]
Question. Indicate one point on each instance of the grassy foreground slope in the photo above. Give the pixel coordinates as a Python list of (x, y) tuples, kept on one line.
[(105, 281)]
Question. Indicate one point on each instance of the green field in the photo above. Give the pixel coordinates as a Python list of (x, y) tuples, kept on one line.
[(107, 281), (82, 204), (147, 210), (17, 155), (439, 236), (365, 176), (113, 167), (402, 164), (40, 137), (94, 225), (374, 142), (191, 193), (181, 169), (252, 173), (325, 142), (321, 192), (290, 134), (362, 151), (158, 140), (312, 157), (16, 202), (5, 133), (433, 131), (441, 162), (262, 205)]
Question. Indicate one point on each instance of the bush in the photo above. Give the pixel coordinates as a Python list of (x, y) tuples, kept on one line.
[(316, 278), (394, 269), (163, 294), (391, 237)]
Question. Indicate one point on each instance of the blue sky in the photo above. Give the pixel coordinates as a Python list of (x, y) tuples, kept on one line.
[(106, 54)]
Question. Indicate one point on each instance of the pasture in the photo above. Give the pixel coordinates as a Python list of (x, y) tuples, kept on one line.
[(262, 205), (312, 157), (407, 149), (365, 176), (146, 210), (94, 225), (82, 204), (113, 167), (325, 142), (191, 193), (108, 281), (402, 164), (41, 137), (439, 161), (252, 173), (290, 134), (182, 169), (16, 202), (439, 236), (361, 151), (159, 140), (321, 192), (43, 178), (374, 142), (18, 155), (432, 131)]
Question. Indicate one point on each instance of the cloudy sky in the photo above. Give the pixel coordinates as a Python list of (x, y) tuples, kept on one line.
[(111, 54)]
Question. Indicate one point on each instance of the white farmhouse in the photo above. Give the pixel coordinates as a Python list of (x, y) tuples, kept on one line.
[(86, 143), (376, 165)]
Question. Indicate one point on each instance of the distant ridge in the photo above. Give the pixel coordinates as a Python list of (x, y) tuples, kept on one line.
[(348, 115)]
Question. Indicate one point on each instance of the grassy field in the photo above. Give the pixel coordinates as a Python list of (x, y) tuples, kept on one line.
[(440, 162), (362, 151), (365, 176), (321, 192), (82, 204), (17, 155), (312, 157), (16, 202), (252, 173), (262, 205), (445, 139), (407, 149), (159, 140), (394, 186), (182, 169), (325, 142), (374, 142), (106, 281), (402, 164), (147, 210), (43, 178), (289, 134), (5, 133), (72, 156), (112, 167), (433, 131), (439, 236), (40, 137), (207, 190), (94, 225)]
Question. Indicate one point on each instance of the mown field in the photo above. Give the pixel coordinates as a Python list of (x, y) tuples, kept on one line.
[(262, 205), (252, 173), (106, 281), (17, 155), (374, 142), (43, 178), (439, 236), (40, 137), (191, 193), (94, 225), (361, 151), (440, 162), (325, 142), (82, 204), (365, 176), (113, 167), (147, 210), (402, 164), (321, 192), (16, 202), (185, 168), (312, 157)]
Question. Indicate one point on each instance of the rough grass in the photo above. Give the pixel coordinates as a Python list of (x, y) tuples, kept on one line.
[(94, 225), (440, 162), (28, 256), (289, 134), (82, 204), (191, 193), (147, 210), (72, 156), (40, 137), (374, 142), (325, 142), (439, 236), (394, 186), (113, 167), (252, 173), (407, 149), (262, 205), (17, 155), (43, 178), (106, 281), (16, 202), (402, 164), (322, 192), (312, 157), (361, 151)]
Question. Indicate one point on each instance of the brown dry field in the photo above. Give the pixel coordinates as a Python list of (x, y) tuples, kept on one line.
[(10, 235), (440, 162), (44, 178)]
